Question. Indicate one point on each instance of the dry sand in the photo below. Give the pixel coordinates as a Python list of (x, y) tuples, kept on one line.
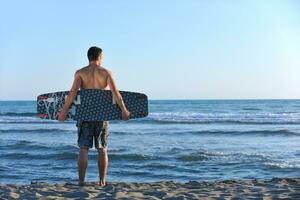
[(277, 188)]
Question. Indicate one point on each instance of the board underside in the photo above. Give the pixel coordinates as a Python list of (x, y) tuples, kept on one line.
[(92, 105)]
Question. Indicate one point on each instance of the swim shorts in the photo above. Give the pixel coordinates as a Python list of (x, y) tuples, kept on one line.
[(89, 131)]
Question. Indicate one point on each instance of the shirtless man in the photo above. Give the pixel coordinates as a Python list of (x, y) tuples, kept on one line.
[(93, 76)]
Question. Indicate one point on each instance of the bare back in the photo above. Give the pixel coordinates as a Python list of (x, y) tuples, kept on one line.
[(94, 77)]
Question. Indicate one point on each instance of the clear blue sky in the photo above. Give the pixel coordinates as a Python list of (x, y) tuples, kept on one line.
[(187, 49)]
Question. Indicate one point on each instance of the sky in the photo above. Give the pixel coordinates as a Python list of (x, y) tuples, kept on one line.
[(171, 49)]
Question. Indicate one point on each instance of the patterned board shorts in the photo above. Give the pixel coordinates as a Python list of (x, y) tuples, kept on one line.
[(89, 131)]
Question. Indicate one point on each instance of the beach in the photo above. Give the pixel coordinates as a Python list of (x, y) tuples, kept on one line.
[(220, 81), (276, 188), (184, 149)]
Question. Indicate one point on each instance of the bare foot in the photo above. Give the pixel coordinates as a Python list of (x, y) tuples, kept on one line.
[(102, 183)]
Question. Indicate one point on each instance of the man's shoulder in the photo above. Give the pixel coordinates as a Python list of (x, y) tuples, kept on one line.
[(105, 70), (81, 69)]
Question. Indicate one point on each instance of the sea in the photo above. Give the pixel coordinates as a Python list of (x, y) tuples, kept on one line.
[(180, 140)]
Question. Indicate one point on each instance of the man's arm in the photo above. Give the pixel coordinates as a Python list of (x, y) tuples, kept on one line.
[(116, 94), (73, 92)]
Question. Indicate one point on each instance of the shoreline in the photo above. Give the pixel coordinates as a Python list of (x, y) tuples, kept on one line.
[(256, 188)]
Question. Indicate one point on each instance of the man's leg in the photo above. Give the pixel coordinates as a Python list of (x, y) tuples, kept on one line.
[(82, 164), (102, 164)]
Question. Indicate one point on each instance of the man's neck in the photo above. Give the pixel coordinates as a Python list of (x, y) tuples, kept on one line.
[(94, 65)]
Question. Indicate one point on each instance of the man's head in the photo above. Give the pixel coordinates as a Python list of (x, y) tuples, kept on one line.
[(94, 54)]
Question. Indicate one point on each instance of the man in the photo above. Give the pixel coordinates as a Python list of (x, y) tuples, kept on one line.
[(93, 76)]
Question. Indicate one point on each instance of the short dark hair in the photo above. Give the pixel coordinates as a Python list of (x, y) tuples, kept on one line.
[(93, 53)]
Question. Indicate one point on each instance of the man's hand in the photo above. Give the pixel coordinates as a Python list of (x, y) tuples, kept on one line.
[(125, 115), (61, 116)]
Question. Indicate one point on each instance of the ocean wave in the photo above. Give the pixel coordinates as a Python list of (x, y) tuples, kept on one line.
[(33, 121), (132, 157), (40, 130), (29, 151), (25, 145), (275, 117), (42, 156), (223, 118), (282, 132), (228, 158), (159, 166), (171, 121), (18, 114), (283, 165), (278, 132), (193, 157), (201, 155)]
